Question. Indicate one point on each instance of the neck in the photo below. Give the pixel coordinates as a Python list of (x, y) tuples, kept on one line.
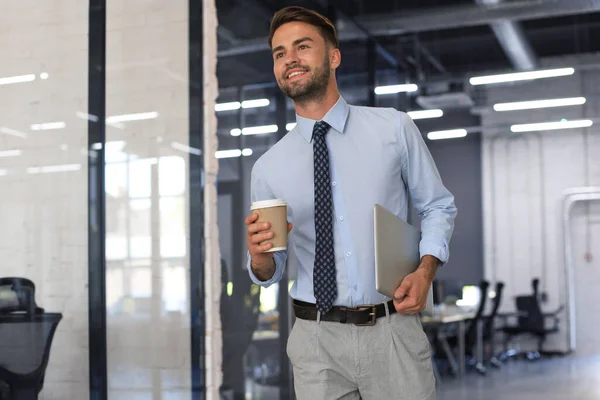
[(317, 108)]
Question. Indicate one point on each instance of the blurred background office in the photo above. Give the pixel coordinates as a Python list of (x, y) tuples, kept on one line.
[(128, 131)]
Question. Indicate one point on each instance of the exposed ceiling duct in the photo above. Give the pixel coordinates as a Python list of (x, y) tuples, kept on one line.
[(512, 39), (464, 15)]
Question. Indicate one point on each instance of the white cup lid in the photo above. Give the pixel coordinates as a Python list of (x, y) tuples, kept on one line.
[(268, 203)]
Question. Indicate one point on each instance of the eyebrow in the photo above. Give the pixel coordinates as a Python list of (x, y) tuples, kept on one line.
[(296, 42)]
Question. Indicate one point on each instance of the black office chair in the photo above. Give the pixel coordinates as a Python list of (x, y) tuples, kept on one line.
[(18, 295), (489, 325), (531, 321), (25, 342), (26, 335), (470, 334)]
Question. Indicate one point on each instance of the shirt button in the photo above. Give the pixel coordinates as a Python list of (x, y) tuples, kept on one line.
[(334, 183), (342, 218), (348, 254)]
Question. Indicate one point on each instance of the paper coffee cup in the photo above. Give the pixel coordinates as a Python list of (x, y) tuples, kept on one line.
[(275, 212)]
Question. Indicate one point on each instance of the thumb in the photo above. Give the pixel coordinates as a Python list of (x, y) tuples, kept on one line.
[(402, 289), (290, 227)]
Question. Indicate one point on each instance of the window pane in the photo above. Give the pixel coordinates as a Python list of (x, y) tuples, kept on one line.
[(140, 178), (141, 282), (116, 180), (175, 289), (171, 176), (172, 227)]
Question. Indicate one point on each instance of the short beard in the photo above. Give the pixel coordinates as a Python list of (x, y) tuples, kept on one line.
[(314, 89)]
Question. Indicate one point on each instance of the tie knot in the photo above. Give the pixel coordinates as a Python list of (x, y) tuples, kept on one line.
[(320, 129)]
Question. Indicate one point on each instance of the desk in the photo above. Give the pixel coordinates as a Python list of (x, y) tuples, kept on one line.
[(439, 321)]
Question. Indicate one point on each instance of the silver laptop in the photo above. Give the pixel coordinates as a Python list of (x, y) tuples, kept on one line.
[(396, 253)]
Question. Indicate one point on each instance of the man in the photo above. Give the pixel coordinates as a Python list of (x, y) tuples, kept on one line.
[(331, 169)]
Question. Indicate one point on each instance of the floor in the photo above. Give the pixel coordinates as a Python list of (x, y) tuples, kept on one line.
[(572, 378), (567, 378)]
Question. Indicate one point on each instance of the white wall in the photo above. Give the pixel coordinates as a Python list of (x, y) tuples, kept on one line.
[(43, 230), (524, 177)]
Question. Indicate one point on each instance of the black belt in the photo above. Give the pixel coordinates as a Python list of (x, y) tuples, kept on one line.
[(362, 315)]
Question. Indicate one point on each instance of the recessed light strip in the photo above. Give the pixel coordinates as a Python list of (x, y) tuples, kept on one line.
[(550, 126), (533, 104), (521, 76)]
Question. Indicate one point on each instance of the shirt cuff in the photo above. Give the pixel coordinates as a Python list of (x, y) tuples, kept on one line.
[(280, 257), (438, 250)]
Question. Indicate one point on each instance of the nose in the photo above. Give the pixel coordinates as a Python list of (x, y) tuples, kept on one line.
[(291, 57)]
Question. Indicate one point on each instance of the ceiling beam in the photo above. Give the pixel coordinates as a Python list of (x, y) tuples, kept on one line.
[(512, 39), (351, 23), (464, 15)]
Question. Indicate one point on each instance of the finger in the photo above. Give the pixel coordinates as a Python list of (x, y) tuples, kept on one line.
[(250, 219), (259, 227), (407, 304), (403, 289), (261, 237), (259, 249), (290, 227)]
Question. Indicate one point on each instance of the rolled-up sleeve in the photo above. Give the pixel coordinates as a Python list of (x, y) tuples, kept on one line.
[(432, 200), (259, 190), (280, 258)]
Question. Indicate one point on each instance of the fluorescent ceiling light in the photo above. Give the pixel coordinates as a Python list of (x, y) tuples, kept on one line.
[(255, 103), (13, 132), (521, 76), (528, 105), (236, 105), (89, 117), (44, 75), (254, 130), (550, 126), (185, 148), (423, 114), (449, 134), (409, 87), (54, 168), (48, 126), (10, 153), (228, 153), (290, 126), (17, 79), (132, 117), (233, 153)]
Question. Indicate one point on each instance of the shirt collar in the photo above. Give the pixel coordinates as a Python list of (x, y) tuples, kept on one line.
[(336, 117)]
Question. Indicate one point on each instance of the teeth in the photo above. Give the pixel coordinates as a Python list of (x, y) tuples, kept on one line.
[(294, 74)]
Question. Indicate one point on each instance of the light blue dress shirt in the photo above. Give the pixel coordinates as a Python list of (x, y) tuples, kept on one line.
[(377, 155)]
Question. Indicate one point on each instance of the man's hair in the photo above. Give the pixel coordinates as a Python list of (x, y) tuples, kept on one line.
[(301, 14)]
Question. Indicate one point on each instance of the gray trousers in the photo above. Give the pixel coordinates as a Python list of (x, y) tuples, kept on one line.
[(389, 360)]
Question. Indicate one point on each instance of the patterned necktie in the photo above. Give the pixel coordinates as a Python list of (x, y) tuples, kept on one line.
[(325, 287)]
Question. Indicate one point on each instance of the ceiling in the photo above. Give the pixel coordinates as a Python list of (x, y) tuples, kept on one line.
[(437, 44), (421, 40)]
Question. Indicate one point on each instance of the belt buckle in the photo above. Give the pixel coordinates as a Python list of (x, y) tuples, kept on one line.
[(373, 314)]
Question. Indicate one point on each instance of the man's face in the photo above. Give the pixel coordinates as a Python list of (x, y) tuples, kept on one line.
[(302, 64)]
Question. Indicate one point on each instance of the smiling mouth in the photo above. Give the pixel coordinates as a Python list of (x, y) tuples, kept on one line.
[(295, 74)]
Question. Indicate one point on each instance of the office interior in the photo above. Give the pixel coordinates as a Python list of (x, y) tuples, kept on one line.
[(128, 132)]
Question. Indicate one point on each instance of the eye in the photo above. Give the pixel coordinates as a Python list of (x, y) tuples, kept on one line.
[(278, 55), (303, 46)]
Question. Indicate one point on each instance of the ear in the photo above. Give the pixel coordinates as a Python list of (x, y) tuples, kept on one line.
[(335, 58)]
